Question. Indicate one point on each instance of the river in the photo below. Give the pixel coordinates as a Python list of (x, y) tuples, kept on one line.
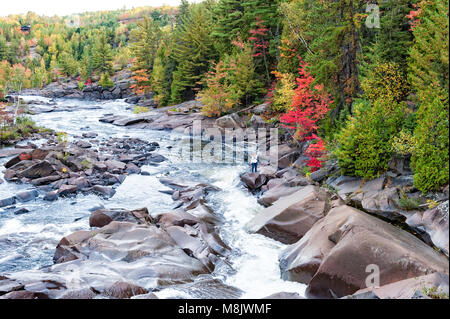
[(28, 241)]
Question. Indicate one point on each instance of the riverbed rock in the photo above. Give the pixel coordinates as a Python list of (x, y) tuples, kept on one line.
[(432, 286), (124, 290), (333, 256), (27, 196), (435, 223), (105, 191), (41, 169), (254, 181), (291, 217), (51, 196), (124, 245), (103, 217)]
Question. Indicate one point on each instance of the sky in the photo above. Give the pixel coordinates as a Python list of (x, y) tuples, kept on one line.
[(65, 7)]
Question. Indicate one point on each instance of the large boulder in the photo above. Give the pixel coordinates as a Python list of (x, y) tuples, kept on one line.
[(254, 181), (103, 217), (41, 169), (434, 286), (290, 217), (333, 257), (128, 246), (434, 222)]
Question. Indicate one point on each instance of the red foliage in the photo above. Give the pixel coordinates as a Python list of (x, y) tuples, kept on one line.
[(258, 38), (309, 105), (413, 16), (88, 82)]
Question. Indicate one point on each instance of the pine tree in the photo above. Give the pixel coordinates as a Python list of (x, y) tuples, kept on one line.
[(102, 55), (229, 24), (145, 42), (192, 51), (429, 78)]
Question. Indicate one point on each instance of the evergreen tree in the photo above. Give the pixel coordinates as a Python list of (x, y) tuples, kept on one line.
[(3, 49), (228, 24), (102, 55), (145, 42), (429, 79), (192, 51)]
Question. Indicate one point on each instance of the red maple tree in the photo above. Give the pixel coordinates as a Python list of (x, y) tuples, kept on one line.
[(309, 105)]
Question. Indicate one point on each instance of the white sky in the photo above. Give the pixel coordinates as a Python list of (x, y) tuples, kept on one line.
[(65, 7)]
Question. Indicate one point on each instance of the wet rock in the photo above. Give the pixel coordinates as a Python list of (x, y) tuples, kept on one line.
[(7, 201), (132, 169), (156, 158), (432, 286), (51, 196), (7, 152), (284, 295), (145, 296), (124, 290), (66, 190), (273, 194), (113, 165), (333, 256), (83, 144), (27, 196), (83, 293), (108, 192), (41, 169), (45, 180), (89, 135), (103, 217), (254, 181), (24, 294), (290, 217), (139, 245), (21, 211)]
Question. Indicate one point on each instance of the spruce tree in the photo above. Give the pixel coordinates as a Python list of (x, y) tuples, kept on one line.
[(192, 51), (102, 55)]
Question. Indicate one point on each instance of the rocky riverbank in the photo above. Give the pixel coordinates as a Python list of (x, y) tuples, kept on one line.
[(336, 226)]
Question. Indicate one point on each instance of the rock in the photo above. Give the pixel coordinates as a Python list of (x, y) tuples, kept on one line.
[(103, 217), (103, 190), (132, 169), (83, 293), (333, 256), (156, 158), (27, 196), (229, 121), (253, 181), (273, 194), (257, 122), (206, 287), (45, 180), (21, 211), (7, 152), (292, 216), (83, 144), (51, 196), (66, 190), (39, 154), (288, 159), (89, 135), (435, 223), (113, 165), (432, 286), (260, 109), (7, 201), (24, 294), (128, 246), (284, 295), (124, 290), (145, 296), (41, 169)]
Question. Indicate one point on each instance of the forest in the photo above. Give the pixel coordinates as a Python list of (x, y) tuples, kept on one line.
[(362, 82)]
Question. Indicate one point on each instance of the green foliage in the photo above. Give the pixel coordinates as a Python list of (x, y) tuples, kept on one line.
[(429, 78), (231, 84), (365, 142), (102, 55), (385, 81), (105, 81), (408, 203), (192, 51), (144, 44), (140, 109)]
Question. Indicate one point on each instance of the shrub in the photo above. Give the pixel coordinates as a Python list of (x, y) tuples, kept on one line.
[(385, 81), (364, 148), (140, 109), (284, 92), (105, 81)]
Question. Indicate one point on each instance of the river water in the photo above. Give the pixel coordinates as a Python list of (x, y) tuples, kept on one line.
[(28, 241)]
